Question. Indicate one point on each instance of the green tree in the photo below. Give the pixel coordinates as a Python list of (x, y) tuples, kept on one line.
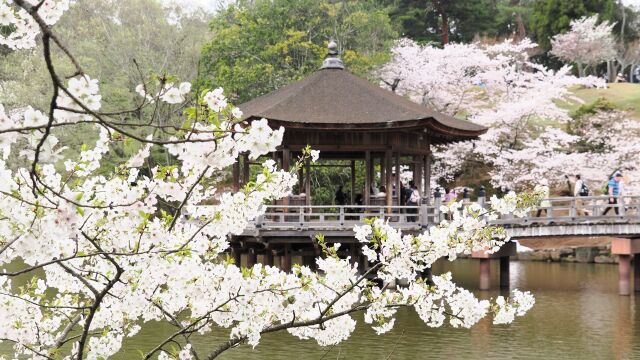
[(551, 17), (260, 45), (443, 21), (120, 42)]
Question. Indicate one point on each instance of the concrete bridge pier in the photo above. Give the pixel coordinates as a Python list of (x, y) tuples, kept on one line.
[(507, 250), (626, 249)]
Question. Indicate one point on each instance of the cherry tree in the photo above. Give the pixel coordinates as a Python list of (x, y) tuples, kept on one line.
[(107, 254), (587, 43), (498, 86)]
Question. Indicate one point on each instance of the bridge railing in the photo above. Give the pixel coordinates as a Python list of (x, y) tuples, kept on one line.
[(563, 210), (344, 217), (555, 210)]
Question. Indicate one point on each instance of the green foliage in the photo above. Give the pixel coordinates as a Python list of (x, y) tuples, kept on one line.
[(551, 17), (421, 20), (121, 43), (260, 45)]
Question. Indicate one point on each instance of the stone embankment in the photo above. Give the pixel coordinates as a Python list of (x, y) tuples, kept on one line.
[(570, 249)]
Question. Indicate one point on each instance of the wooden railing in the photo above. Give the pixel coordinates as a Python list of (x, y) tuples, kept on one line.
[(582, 209), (560, 210)]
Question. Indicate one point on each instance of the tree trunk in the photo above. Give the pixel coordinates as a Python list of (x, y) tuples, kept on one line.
[(521, 31), (580, 69), (445, 20)]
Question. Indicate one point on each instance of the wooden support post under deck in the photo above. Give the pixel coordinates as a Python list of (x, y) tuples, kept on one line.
[(268, 257), (252, 258), (353, 182), (636, 272), (626, 249), (504, 272), (383, 170), (387, 180), (307, 181), (354, 253), (367, 177), (485, 274), (624, 274), (237, 255), (245, 169), (236, 176), (285, 260), (310, 261)]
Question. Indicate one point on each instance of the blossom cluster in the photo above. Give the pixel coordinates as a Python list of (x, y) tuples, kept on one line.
[(110, 251), (24, 27), (498, 86)]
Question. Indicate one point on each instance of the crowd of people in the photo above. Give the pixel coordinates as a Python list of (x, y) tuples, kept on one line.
[(614, 189), (409, 195)]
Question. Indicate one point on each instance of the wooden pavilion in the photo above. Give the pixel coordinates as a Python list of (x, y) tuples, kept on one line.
[(349, 118)]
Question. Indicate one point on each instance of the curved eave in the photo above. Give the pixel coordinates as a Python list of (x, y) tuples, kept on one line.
[(436, 127)]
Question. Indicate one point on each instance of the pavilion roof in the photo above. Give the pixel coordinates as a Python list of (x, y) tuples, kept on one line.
[(333, 98)]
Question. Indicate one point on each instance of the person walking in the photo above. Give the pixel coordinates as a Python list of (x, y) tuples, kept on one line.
[(543, 187), (580, 189), (614, 190)]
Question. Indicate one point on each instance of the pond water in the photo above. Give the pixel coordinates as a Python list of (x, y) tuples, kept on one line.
[(578, 315)]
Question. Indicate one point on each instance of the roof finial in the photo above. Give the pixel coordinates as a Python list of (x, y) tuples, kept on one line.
[(332, 61)]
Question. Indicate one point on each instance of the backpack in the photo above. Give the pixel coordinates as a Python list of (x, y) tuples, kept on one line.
[(415, 197), (584, 190)]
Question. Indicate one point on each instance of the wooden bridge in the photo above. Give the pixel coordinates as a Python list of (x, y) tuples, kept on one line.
[(285, 231)]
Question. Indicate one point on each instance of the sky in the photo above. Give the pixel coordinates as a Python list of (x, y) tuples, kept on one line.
[(210, 5)]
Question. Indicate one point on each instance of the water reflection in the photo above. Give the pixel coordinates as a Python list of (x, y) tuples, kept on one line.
[(578, 315)]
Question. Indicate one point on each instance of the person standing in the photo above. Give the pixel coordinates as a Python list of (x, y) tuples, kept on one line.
[(449, 195), (341, 197), (580, 189), (413, 200), (543, 187), (614, 189)]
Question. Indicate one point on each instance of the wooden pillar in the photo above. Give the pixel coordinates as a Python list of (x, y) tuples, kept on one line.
[(353, 253), (485, 274), (398, 183), (353, 182), (388, 179), (285, 260), (286, 156), (636, 272), (268, 257), (367, 177), (427, 177), (301, 179), (504, 272), (236, 176), (307, 181), (245, 169), (252, 257), (624, 274), (236, 252), (310, 261), (383, 170), (417, 174)]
